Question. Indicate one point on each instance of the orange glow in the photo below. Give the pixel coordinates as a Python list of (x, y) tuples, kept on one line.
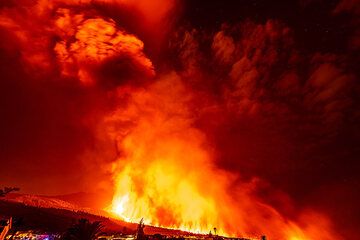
[(96, 40), (153, 11), (166, 173), (165, 169)]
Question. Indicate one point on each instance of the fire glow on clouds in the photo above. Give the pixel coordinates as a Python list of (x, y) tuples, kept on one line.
[(155, 129)]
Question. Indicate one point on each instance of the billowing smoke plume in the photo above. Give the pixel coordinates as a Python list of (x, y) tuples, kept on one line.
[(56, 71), (236, 126)]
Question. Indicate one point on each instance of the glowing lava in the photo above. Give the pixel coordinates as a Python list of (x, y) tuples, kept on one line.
[(166, 173)]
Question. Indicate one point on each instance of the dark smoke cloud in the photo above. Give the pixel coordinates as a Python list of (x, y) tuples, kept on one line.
[(286, 116), (271, 108), (55, 70), (350, 9)]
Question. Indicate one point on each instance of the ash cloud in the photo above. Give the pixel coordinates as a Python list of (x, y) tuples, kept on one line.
[(272, 111), (56, 70), (288, 117)]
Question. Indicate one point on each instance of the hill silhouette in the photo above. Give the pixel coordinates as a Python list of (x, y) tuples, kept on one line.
[(54, 215)]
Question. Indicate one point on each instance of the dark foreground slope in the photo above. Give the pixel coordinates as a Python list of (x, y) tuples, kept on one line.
[(57, 220), (54, 220)]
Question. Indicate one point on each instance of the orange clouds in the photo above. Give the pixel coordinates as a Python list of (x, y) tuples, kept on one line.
[(59, 59), (82, 43), (327, 92), (97, 41), (223, 47), (153, 11), (188, 144), (166, 172)]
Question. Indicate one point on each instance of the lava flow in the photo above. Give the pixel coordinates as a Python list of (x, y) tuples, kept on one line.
[(167, 176)]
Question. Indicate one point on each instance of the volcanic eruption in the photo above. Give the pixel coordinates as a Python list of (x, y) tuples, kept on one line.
[(191, 116)]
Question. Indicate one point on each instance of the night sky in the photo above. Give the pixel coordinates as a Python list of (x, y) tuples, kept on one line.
[(274, 90)]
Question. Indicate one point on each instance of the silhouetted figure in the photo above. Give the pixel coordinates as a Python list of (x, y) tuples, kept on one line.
[(263, 237), (140, 235)]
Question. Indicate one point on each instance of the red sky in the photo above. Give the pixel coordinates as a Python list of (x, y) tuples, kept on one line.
[(274, 90)]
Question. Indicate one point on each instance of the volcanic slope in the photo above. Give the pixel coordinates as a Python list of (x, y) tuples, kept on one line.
[(55, 215)]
